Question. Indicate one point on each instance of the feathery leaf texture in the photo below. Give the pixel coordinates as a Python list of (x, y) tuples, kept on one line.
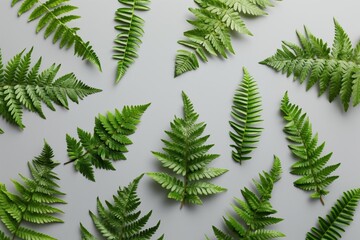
[(108, 142), (310, 165), (53, 16), (22, 86), (255, 211), (246, 115), (336, 70), (131, 30), (213, 23), (33, 204), (186, 154), (341, 215), (121, 220)]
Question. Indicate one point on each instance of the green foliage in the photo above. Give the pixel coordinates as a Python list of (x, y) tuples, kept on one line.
[(131, 30), (33, 204), (214, 22), (246, 114), (108, 142), (255, 211), (341, 215), (25, 87), (336, 70), (310, 165), (53, 16), (121, 220), (186, 154)]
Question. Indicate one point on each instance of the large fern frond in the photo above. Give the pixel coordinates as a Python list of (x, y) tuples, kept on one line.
[(22, 86), (107, 143), (53, 16), (186, 154), (131, 30), (341, 215), (246, 114), (336, 71), (310, 165), (33, 203)]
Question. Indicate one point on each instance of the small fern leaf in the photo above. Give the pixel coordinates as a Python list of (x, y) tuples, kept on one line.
[(185, 61)]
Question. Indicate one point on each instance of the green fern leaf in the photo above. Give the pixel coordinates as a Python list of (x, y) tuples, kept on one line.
[(54, 15), (22, 86), (107, 143), (33, 202), (341, 215), (246, 114), (311, 166), (186, 154)]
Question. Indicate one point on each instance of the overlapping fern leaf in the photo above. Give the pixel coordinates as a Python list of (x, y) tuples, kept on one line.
[(22, 86), (341, 215), (108, 142), (131, 30), (335, 70), (33, 204), (310, 165), (214, 21), (186, 154), (255, 211), (54, 16), (246, 114)]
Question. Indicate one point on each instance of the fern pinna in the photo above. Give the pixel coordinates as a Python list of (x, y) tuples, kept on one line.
[(22, 86), (246, 117), (121, 220), (255, 211), (131, 30), (335, 70), (310, 165), (107, 143), (214, 21), (54, 15), (186, 154), (33, 204)]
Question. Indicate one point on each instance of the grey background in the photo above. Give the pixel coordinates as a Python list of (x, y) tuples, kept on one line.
[(211, 89)]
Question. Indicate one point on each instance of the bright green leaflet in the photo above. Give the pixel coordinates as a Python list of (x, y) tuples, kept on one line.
[(336, 71), (246, 118), (54, 15), (22, 86), (107, 143), (255, 211), (33, 203), (310, 165), (186, 154)]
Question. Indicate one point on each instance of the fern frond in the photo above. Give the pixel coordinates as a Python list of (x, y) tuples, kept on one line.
[(186, 154), (34, 199), (335, 71), (341, 215), (246, 114), (108, 142), (22, 86), (310, 165), (121, 220), (53, 16)]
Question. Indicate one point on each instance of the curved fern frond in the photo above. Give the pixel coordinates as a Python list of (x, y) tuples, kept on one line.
[(336, 71), (246, 114), (107, 143), (186, 154), (121, 220), (33, 203), (53, 16), (255, 211), (310, 165), (131, 30), (22, 86), (341, 215)]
